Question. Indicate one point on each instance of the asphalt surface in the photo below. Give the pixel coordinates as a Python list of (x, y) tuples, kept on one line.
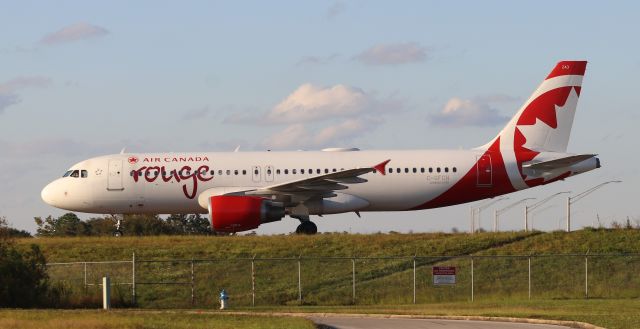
[(376, 323)]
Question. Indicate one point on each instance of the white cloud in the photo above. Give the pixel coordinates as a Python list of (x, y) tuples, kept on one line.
[(459, 112), (313, 103), (9, 89), (300, 136), (74, 32), (393, 54)]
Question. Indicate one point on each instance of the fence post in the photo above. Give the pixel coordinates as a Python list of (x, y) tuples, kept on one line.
[(414, 279), (299, 283), (353, 279), (133, 278), (193, 295), (106, 293), (472, 297), (253, 281), (586, 276), (529, 277)]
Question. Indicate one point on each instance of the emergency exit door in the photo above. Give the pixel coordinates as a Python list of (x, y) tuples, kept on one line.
[(484, 170), (256, 174)]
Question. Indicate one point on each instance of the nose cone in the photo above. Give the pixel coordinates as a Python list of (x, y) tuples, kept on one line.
[(48, 194)]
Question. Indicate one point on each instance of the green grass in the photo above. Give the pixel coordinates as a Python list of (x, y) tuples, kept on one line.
[(59, 319), (328, 282)]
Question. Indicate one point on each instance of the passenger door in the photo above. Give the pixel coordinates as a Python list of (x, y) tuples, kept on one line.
[(484, 170), (114, 180)]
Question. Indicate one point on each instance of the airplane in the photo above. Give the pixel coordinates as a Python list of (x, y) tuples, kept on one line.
[(242, 190)]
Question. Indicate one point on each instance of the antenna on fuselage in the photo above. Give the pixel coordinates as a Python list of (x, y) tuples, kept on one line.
[(123, 150), (237, 149)]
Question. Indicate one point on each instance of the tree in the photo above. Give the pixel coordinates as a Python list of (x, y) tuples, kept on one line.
[(66, 225), (23, 275)]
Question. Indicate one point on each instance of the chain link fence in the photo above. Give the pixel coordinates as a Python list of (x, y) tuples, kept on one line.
[(185, 283)]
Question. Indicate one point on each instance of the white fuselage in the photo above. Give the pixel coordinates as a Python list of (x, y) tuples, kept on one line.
[(413, 178)]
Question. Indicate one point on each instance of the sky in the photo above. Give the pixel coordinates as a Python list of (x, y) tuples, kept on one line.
[(80, 79)]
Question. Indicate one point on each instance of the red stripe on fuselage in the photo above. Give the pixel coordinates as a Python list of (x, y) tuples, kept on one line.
[(467, 188)]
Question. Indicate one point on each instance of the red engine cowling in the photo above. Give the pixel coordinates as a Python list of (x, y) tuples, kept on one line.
[(231, 213)]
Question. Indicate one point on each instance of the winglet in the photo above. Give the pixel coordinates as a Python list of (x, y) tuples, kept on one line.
[(381, 167)]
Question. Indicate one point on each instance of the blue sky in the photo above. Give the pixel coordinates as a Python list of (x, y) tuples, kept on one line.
[(81, 79)]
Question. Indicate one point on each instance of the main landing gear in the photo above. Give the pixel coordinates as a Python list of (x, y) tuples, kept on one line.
[(306, 226)]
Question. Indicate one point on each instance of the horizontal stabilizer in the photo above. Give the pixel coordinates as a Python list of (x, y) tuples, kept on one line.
[(558, 163)]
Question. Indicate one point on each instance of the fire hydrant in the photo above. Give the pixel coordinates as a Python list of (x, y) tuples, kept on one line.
[(223, 299)]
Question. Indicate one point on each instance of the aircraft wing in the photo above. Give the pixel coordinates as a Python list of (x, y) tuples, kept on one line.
[(321, 185), (558, 163)]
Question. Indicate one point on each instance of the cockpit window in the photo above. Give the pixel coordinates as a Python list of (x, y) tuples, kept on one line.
[(75, 173), (67, 173), (84, 174)]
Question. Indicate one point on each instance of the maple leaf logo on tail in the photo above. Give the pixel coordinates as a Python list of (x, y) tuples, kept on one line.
[(543, 123)]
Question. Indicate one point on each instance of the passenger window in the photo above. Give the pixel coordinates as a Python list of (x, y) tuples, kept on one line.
[(334, 170), (317, 171), (415, 170), (438, 169), (446, 169), (75, 174), (84, 174), (406, 170), (235, 172), (244, 172), (256, 172), (213, 172), (228, 172), (326, 171), (422, 170), (391, 170), (268, 171), (286, 171), (220, 172), (430, 169), (302, 171), (454, 169), (293, 171), (310, 171), (277, 171)]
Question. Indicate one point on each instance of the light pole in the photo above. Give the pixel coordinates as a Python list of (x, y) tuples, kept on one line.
[(532, 207), (479, 211), (573, 199), (498, 212), (535, 212)]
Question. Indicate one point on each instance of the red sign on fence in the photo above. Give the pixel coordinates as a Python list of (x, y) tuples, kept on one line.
[(444, 275)]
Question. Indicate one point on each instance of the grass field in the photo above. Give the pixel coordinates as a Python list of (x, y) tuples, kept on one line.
[(86, 319), (500, 285)]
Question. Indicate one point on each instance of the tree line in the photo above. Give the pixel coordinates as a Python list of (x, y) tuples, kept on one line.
[(70, 224)]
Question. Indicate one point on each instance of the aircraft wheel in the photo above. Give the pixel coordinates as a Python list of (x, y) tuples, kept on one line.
[(307, 227), (117, 233)]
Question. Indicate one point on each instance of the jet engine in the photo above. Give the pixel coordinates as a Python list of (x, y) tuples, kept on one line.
[(233, 213)]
